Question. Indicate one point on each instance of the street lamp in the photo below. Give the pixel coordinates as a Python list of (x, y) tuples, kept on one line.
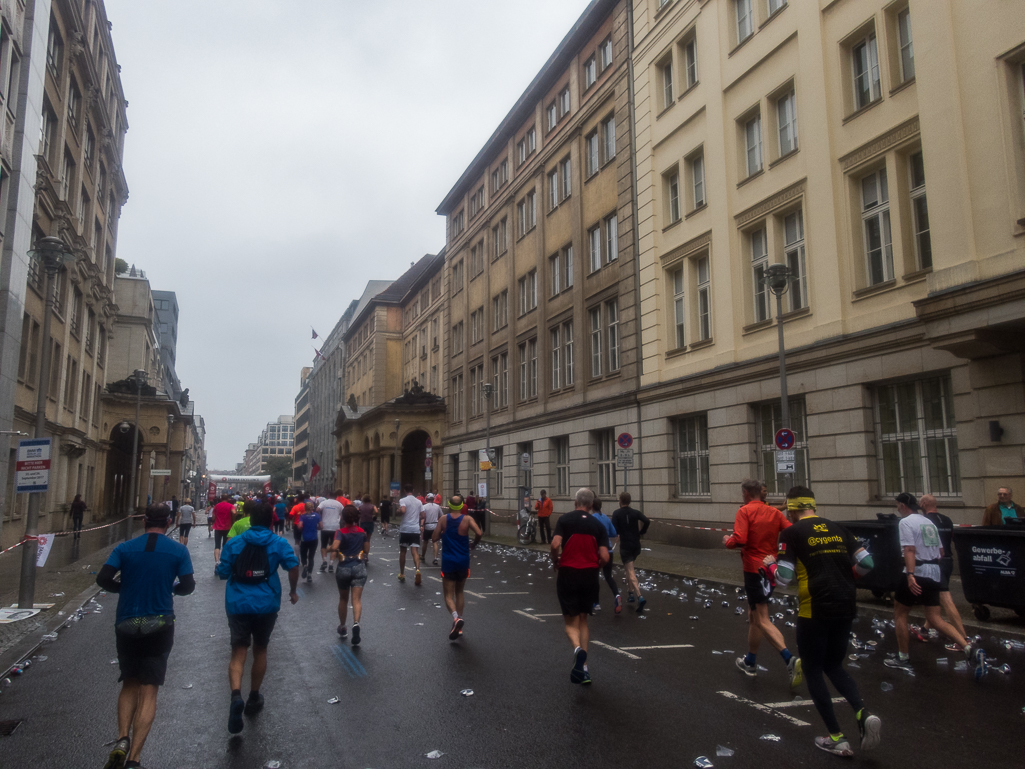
[(138, 378), (487, 388), (777, 280), (52, 252)]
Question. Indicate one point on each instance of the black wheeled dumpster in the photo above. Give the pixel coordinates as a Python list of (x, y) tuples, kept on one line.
[(881, 539), (992, 563)]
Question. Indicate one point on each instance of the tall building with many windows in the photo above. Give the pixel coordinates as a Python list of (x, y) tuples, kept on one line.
[(64, 123), (276, 440), (541, 278), (876, 150)]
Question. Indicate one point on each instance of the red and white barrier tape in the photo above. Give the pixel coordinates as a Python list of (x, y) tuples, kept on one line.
[(28, 538)]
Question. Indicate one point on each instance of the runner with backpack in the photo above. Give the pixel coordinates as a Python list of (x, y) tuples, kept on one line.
[(252, 600)]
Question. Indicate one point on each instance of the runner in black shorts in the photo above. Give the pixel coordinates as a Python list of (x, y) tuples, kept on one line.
[(350, 545), (945, 527), (385, 510), (628, 523), (580, 548)]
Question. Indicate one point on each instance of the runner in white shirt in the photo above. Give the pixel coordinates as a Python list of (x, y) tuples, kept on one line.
[(186, 520), (410, 531), (331, 516), (432, 513)]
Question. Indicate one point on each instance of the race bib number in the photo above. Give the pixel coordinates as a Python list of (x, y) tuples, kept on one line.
[(930, 536)]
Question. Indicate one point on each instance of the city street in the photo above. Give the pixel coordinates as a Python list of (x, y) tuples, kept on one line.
[(665, 687)]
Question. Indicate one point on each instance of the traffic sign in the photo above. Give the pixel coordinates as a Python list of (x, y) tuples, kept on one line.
[(394, 489), (785, 438), (156, 472), (624, 458), (427, 463), (427, 474), (786, 462), (625, 440), (32, 468), (525, 461)]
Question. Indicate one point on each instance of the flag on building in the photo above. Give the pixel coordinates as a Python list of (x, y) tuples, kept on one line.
[(314, 470), (314, 332), (317, 356)]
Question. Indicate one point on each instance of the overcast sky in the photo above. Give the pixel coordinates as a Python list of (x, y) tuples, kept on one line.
[(281, 153)]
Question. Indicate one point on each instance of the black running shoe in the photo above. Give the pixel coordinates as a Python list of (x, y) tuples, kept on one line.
[(342, 631), (118, 754), (254, 704), (355, 634), (235, 722)]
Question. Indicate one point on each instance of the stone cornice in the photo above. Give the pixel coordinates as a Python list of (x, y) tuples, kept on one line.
[(879, 145), (781, 198), (688, 248)]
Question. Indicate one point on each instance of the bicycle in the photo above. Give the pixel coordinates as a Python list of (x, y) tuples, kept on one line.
[(526, 533)]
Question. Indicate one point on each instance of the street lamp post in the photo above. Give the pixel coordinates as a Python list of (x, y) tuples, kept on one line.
[(139, 378), (777, 279), (487, 388), (53, 253)]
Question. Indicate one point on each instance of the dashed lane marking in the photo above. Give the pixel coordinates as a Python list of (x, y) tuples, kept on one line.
[(764, 709), (347, 660), (485, 595), (615, 649), (668, 646), (528, 615), (799, 703)]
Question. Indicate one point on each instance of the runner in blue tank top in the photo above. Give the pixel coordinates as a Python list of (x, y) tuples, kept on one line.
[(454, 531)]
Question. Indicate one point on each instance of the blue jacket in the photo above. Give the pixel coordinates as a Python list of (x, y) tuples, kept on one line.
[(264, 598)]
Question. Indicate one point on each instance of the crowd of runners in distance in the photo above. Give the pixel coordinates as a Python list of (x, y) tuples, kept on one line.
[(777, 549)]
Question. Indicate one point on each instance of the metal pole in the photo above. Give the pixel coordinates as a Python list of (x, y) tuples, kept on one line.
[(139, 377), (27, 587), (784, 397)]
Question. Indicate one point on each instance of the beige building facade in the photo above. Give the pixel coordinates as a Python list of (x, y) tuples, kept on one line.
[(540, 279), (876, 149)]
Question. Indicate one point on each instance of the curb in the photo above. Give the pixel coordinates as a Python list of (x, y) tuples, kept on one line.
[(34, 640)]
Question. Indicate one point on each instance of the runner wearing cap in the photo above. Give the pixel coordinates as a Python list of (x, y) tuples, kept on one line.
[(455, 527), (432, 513)]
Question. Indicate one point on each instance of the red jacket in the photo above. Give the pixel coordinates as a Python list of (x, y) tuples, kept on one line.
[(544, 507), (756, 530)]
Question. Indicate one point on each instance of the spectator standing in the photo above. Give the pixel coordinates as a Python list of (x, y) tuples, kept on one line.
[(1003, 510), (78, 509), (544, 517)]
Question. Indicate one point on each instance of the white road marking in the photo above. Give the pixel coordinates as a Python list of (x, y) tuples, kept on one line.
[(799, 703), (547, 615), (522, 593), (475, 595), (528, 615), (615, 649), (765, 709), (670, 646)]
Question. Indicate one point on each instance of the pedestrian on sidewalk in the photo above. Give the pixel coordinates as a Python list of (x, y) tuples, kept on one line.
[(349, 548), (631, 525), (252, 601), (410, 531), (922, 548), (580, 548), (824, 557), (756, 531), (543, 506), (310, 523), (78, 509), (606, 570), (186, 520), (454, 529), (144, 625)]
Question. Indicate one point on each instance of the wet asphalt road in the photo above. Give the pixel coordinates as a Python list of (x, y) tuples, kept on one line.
[(665, 688)]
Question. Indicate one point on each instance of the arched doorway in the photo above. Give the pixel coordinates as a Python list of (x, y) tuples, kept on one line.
[(414, 454), (119, 467)]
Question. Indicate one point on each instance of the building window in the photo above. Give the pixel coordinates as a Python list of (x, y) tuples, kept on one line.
[(865, 65), (759, 263), (553, 116), (591, 153), (875, 207), (697, 178), (555, 273), (786, 117), (590, 72), (692, 469), (499, 472), (457, 338), (745, 20), (753, 144), (704, 298), (679, 308), (476, 261), (672, 183), (917, 436), (528, 292), (528, 369), (608, 131), (769, 421), (605, 54), (458, 224), (793, 251), (500, 176), (527, 212), (531, 141), (457, 398), (612, 329), (567, 266), (477, 202), (690, 61), (920, 212), (567, 353), (594, 246), (907, 49), (565, 168), (595, 317), (561, 451), (611, 238), (500, 238), (605, 453), (667, 83), (500, 379), (553, 190), (457, 276), (477, 390), (556, 347), (477, 325), (564, 102), (54, 50), (775, 5), (500, 310), (74, 105)]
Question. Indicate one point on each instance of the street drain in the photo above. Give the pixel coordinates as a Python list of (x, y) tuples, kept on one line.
[(7, 727)]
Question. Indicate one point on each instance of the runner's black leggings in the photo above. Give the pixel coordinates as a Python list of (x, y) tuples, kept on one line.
[(822, 646), (308, 552), (606, 572)]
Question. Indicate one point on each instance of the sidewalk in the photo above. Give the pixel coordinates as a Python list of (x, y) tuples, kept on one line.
[(722, 565)]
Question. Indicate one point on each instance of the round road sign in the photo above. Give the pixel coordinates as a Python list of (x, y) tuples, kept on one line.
[(625, 440), (427, 462), (785, 438)]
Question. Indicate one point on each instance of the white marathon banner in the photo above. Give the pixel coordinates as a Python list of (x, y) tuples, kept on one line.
[(45, 542)]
